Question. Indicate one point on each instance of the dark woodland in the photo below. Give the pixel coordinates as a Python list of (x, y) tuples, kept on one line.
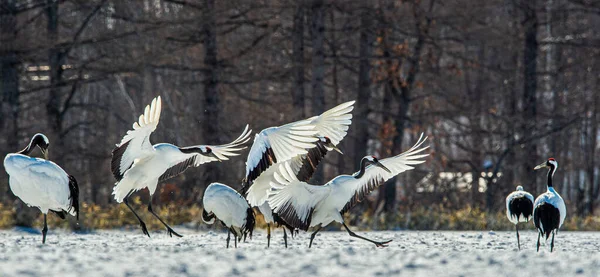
[(499, 86)]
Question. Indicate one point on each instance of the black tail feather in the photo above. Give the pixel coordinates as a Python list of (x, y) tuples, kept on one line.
[(74, 195), (546, 218), (248, 228)]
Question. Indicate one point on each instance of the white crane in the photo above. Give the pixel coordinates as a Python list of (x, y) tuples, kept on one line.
[(42, 183), (519, 208), (549, 210), (303, 205), (231, 208), (137, 164), (304, 143)]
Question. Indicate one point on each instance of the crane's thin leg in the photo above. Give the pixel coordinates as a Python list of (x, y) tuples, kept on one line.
[(284, 236), (228, 237), (45, 229), (538, 243), (518, 241), (312, 236), (268, 235), (552, 242), (142, 224), (235, 239), (169, 229), (377, 243)]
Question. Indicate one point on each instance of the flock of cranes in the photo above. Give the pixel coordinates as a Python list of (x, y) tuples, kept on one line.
[(279, 165)]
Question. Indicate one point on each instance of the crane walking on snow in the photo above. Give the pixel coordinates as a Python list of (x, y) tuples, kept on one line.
[(137, 164), (549, 210), (303, 205), (42, 183), (519, 208)]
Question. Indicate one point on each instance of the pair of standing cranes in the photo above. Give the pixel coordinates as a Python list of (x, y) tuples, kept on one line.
[(548, 210), (280, 162)]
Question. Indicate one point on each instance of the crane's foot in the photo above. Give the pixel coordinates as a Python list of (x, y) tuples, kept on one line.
[(144, 229), (171, 232), (382, 243)]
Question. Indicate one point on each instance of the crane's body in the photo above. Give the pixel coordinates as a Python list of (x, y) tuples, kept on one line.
[(227, 205), (304, 206), (519, 208), (303, 144), (137, 164), (549, 209), (42, 183)]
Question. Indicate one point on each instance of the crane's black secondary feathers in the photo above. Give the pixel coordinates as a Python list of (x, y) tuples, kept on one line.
[(520, 206), (115, 163), (546, 219)]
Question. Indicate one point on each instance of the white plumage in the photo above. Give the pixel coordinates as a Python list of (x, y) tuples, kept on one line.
[(519, 208), (303, 143), (137, 164), (549, 209), (303, 205), (42, 183), (519, 215), (230, 208)]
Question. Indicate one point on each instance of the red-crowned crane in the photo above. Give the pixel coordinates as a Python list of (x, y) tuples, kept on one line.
[(519, 208), (549, 210), (303, 143), (303, 205), (137, 164), (42, 183), (229, 207)]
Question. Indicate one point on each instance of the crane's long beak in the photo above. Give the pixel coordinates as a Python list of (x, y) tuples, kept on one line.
[(215, 156), (540, 166), (383, 166), (337, 149), (45, 153)]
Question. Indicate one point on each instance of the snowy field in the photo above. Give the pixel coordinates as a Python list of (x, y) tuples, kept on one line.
[(412, 253)]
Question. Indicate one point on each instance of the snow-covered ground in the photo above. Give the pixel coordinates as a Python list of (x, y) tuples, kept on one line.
[(412, 253)]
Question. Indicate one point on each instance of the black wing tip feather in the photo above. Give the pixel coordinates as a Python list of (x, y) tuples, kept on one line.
[(177, 169), (362, 193), (117, 157), (74, 195), (290, 219), (548, 216), (248, 228), (311, 161), (268, 158)]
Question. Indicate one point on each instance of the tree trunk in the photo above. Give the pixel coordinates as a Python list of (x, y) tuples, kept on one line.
[(530, 54), (360, 119), (9, 75), (298, 61), (317, 32), (210, 123)]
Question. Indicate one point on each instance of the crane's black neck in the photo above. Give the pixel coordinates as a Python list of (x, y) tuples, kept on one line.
[(27, 149), (551, 170), (363, 165), (190, 150)]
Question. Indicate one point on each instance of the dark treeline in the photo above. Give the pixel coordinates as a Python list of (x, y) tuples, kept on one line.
[(498, 85)]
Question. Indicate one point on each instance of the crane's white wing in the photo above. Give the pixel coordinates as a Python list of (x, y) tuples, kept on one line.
[(354, 190), (334, 123), (42, 183), (136, 143), (278, 144), (294, 201), (180, 161)]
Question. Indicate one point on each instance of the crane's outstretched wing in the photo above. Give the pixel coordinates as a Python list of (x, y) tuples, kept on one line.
[(136, 143), (278, 144), (219, 153), (294, 201), (334, 123), (355, 189)]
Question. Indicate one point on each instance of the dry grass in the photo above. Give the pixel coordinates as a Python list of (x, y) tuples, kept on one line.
[(431, 218)]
